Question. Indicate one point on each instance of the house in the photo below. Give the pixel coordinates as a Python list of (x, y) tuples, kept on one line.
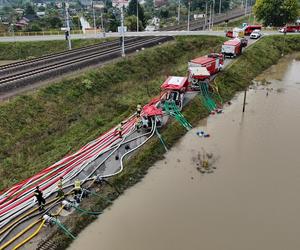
[(19, 11), (40, 13), (23, 22)]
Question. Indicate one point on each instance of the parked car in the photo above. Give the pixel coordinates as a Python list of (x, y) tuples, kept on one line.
[(255, 34)]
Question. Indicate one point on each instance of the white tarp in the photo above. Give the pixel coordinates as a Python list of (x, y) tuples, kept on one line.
[(198, 70)]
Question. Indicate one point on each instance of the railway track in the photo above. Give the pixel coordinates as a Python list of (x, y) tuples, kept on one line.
[(28, 72), (51, 67)]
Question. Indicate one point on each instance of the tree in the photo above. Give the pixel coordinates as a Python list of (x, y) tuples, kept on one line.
[(29, 10), (276, 12), (131, 11), (130, 22)]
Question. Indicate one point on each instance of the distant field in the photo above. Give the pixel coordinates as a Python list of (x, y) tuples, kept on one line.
[(25, 50)]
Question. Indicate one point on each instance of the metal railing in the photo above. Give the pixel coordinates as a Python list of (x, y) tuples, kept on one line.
[(38, 33)]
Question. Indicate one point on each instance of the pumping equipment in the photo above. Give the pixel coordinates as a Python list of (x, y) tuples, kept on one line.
[(73, 204), (53, 221)]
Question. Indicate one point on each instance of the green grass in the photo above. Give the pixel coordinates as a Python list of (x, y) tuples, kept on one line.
[(260, 56), (238, 22), (38, 129), (25, 50)]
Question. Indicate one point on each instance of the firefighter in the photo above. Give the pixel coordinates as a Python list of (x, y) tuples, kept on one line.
[(138, 124), (66, 34), (60, 191), (77, 186), (119, 129), (39, 197), (138, 109)]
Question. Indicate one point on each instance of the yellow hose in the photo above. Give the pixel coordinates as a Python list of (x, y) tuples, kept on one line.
[(23, 216), (28, 213), (30, 237), (58, 212), (19, 234)]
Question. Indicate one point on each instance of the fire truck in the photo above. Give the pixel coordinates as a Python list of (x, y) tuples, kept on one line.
[(249, 28), (232, 48), (290, 28), (202, 68), (174, 88)]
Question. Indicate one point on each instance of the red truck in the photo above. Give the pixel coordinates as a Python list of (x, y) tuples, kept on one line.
[(249, 29), (232, 48), (290, 28), (174, 88), (200, 69)]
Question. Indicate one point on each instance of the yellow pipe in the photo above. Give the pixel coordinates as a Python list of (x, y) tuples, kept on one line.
[(23, 216), (19, 234), (30, 237), (58, 212), (28, 213)]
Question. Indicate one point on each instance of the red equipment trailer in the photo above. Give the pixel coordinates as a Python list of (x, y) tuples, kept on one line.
[(201, 68), (232, 48), (249, 28), (175, 88), (290, 28)]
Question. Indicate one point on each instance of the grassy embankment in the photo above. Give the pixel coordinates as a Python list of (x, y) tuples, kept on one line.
[(238, 22), (24, 50), (235, 78), (38, 129)]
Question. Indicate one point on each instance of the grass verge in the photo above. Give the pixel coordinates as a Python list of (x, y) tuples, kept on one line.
[(27, 50), (38, 129), (235, 78)]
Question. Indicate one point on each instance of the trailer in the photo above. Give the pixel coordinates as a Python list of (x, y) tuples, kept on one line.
[(174, 88), (202, 68), (232, 48), (290, 28), (250, 28), (236, 32)]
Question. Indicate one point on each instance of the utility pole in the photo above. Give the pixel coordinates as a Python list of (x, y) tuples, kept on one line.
[(244, 103), (220, 4), (94, 17), (137, 15), (209, 24), (249, 20), (178, 14), (213, 14), (68, 26), (189, 10), (102, 26), (246, 8), (122, 31), (205, 21)]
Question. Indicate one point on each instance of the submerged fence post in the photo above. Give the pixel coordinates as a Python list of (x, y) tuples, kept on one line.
[(244, 104)]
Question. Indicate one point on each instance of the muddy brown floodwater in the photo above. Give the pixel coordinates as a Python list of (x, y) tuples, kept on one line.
[(247, 199)]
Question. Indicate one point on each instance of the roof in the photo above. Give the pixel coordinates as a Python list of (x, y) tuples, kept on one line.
[(151, 110), (233, 42), (202, 60), (174, 82)]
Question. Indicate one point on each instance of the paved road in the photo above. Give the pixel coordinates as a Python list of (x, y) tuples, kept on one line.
[(116, 34)]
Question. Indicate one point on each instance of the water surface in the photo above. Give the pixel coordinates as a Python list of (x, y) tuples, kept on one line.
[(251, 200)]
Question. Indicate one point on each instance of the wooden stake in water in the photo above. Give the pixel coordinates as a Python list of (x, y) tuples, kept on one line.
[(244, 104)]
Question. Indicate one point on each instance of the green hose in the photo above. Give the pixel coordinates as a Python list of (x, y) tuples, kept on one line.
[(98, 195), (64, 229), (206, 99), (171, 109), (87, 212), (161, 140)]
